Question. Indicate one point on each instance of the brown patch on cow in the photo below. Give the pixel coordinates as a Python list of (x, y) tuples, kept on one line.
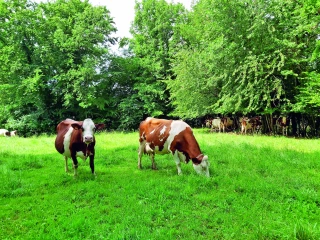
[(186, 143)]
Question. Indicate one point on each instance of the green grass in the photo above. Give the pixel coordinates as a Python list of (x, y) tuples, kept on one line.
[(260, 188)]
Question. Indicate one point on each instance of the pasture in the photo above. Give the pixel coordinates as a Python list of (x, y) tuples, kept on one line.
[(260, 188)]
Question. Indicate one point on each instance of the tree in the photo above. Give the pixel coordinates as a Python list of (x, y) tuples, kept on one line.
[(152, 32), (240, 57), (50, 60)]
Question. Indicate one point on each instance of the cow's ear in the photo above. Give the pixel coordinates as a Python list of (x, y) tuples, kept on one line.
[(76, 126), (99, 126)]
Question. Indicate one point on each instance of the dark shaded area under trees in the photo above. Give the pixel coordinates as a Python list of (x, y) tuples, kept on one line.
[(226, 58)]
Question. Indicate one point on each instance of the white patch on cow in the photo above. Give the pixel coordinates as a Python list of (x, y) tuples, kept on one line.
[(161, 134), (81, 155), (152, 131), (148, 149), (66, 143), (163, 130), (176, 128)]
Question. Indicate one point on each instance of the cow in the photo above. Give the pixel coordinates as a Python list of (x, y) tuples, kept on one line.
[(76, 139), (13, 133), (283, 122), (208, 123), (254, 124), (163, 136), (245, 125), (227, 123), (217, 124), (4, 132)]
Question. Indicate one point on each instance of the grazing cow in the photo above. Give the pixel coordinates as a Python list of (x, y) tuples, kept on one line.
[(13, 133), (76, 139), (4, 132), (171, 136), (217, 124)]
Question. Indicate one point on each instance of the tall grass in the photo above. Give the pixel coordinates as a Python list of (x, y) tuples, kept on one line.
[(260, 188)]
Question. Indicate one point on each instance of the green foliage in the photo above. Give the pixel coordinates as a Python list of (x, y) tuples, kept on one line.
[(50, 60), (260, 188), (242, 57), (153, 31)]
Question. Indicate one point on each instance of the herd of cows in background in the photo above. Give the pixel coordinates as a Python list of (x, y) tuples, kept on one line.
[(246, 125), (270, 125)]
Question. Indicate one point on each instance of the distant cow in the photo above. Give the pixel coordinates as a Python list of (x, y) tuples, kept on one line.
[(4, 132), (208, 123), (253, 124), (217, 123), (245, 125), (76, 139), (227, 123), (283, 123), (13, 133), (171, 136)]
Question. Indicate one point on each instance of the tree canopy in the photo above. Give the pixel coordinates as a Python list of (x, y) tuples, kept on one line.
[(218, 58)]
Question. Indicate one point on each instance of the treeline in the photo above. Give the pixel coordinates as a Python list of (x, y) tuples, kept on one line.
[(221, 57)]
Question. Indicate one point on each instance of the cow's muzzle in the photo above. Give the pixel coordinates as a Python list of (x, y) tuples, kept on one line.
[(88, 139)]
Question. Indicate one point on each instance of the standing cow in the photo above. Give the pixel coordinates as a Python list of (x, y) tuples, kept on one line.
[(76, 139), (217, 124), (170, 136), (283, 123)]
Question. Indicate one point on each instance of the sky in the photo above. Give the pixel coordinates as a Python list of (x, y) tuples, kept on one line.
[(122, 12)]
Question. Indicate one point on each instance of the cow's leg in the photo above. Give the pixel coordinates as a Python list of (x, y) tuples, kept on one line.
[(178, 162), (75, 164), (154, 166), (92, 164), (140, 153), (66, 164)]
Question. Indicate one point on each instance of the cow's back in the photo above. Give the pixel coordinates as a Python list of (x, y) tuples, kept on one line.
[(152, 127)]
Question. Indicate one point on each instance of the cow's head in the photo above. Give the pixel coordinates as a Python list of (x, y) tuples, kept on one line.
[(88, 129), (203, 166), (13, 133)]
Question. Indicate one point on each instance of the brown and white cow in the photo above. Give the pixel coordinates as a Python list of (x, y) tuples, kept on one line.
[(14, 133), (76, 139), (245, 125), (227, 123), (253, 124), (4, 132), (163, 136), (283, 123)]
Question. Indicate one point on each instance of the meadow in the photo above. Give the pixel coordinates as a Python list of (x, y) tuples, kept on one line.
[(260, 187)]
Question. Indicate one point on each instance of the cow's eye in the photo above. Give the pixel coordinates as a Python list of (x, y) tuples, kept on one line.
[(94, 129), (82, 128)]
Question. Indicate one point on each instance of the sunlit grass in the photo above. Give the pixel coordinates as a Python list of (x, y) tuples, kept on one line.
[(260, 188)]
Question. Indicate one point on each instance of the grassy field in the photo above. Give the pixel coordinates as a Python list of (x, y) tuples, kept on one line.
[(260, 188)]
